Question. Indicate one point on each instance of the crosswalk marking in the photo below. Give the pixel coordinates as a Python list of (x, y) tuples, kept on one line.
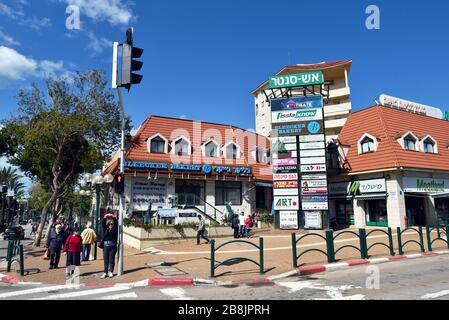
[(435, 295), (175, 293), (83, 293), (37, 290), (128, 295)]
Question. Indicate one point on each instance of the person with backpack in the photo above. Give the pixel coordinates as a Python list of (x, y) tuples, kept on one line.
[(235, 224), (249, 225)]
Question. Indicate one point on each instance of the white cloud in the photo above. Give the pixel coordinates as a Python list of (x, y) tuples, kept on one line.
[(97, 45), (16, 13), (15, 66), (8, 40), (10, 12), (116, 12)]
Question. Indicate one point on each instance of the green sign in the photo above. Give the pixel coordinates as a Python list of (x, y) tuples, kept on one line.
[(431, 186), (296, 80), (446, 115)]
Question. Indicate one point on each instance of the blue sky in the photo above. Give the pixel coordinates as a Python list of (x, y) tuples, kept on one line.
[(203, 57)]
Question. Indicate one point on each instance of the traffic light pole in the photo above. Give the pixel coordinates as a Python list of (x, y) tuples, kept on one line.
[(122, 202)]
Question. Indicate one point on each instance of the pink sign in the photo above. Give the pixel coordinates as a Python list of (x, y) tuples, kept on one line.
[(285, 162)]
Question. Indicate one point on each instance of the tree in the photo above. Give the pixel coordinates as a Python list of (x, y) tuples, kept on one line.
[(12, 179), (59, 133)]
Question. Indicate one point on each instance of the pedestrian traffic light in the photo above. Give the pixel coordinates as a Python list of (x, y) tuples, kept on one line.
[(119, 183), (129, 64)]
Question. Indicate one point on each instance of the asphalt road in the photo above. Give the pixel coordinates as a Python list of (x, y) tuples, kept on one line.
[(412, 279)]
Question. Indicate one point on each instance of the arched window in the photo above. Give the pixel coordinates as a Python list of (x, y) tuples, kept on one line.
[(211, 149), (367, 145), (232, 151), (182, 147), (157, 144), (429, 146)]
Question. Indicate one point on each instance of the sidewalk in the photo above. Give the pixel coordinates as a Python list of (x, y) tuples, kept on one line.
[(192, 261)]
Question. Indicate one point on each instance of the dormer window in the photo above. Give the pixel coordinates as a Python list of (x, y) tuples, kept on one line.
[(181, 146), (157, 144), (367, 143), (210, 149), (232, 151), (429, 145), (409, 143)]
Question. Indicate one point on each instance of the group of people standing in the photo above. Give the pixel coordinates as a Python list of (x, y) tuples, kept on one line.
[(242, 225), (77, 246)]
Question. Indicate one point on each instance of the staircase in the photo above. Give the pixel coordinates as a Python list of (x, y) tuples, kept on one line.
[(192, 201)]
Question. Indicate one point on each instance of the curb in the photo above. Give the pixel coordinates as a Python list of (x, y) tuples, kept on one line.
[(301, 271)]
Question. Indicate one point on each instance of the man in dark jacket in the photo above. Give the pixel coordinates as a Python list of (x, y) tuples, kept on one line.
[(109, 241), (235, 225), (55, 241)]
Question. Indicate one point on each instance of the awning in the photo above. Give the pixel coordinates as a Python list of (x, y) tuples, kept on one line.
[(263, 184), (374, 196), (167, 213), (440, 195), (340, 197)]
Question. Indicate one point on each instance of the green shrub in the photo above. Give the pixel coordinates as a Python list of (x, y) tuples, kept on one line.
[(266, 218)]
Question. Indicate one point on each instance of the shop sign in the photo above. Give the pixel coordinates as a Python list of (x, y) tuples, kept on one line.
[(313, 153), (313, 183), (313, 220), (285, 176), (425, 185), (296, 80), (312, 138), (288, 220), (446, 115), (410, 106), (146, 165), (296, 115), (293, 103), (306, 191), (315, 205), (313, 168), (285, 184), (286, 203), (302, 128), (312, 145), (315, 176), (144, 192), (285, 169), (277, 140), (284, 147), (314, 160), (288, 154), (352, 188), (285, 192), (320, 198), (285, 162), (187, 214)]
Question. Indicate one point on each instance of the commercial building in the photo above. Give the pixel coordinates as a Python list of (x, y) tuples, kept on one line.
[(391, 167), (337, 108), (182, 168)]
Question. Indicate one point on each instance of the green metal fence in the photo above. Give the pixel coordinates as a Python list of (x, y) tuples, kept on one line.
[(214, 266), (390, 241), (402, 245), (362, 241), (438, 238), (329, 246), (14, 248)]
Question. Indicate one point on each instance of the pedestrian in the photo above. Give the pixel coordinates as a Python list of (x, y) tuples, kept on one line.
[(235, 225), (248, 225), (73, 248), (54, 245), (242, 225), (201, 231), (89, 237), (33, 229), (109, 244), (66, 231)]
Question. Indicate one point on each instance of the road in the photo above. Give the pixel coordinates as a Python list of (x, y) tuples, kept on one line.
[(416, 279), (4, 243)]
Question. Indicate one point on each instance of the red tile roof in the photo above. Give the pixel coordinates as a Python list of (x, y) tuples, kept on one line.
[(197, 133), (387, 124)]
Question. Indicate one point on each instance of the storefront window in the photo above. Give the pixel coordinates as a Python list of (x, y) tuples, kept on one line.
[(345, 212), (189, 192), (442, 209), (226, 192), (376, 213)]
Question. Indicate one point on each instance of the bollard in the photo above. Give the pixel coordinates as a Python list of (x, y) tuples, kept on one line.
[(429, 240), (294, 253), (330, 246), (363, 245), (421, 239), (390, 241), (212, 258), (9, 256), (22, 268), (262, 271), (398, 230), (447, 235)]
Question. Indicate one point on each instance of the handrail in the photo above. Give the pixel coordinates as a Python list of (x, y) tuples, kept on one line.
[(201, 201)]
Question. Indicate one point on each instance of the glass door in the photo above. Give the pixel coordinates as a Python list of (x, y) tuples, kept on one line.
[(376, 213)]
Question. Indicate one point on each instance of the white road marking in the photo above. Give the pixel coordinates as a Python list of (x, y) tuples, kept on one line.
[(335, 293), (128, 295), (435, 295), (323, 243), (37, 290), (83, 293), (175, 293), (299, 285)]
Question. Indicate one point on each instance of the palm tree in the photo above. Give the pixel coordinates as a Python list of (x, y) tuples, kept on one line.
[(11, 178)]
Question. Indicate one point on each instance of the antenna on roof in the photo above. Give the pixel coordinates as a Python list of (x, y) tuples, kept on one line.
[(377, 102)]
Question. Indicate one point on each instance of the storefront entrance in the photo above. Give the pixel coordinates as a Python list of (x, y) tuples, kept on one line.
[(442, 210), (415, 209), (190, 192), (345, 212), (376, 213)]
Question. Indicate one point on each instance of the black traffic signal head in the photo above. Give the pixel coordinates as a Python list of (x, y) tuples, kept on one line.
[(119, 183), (129, 64)]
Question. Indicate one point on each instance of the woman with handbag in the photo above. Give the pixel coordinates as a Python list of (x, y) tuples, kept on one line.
[(109, 244)]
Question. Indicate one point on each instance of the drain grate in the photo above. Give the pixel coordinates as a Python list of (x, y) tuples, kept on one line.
[(165, 269)]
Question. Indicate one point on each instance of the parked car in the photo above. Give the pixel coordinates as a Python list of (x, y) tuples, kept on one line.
[(14, 233), (23, 222)]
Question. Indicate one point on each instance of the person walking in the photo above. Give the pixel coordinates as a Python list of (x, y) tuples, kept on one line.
[(242, 225), (54, 245), (201, 231), (89, 237), (109, 243), (73, 248), (235, 225), (33, 228), (249, 225)]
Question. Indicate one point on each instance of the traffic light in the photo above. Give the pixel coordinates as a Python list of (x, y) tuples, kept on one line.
[(129, 64), (119, 183)]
